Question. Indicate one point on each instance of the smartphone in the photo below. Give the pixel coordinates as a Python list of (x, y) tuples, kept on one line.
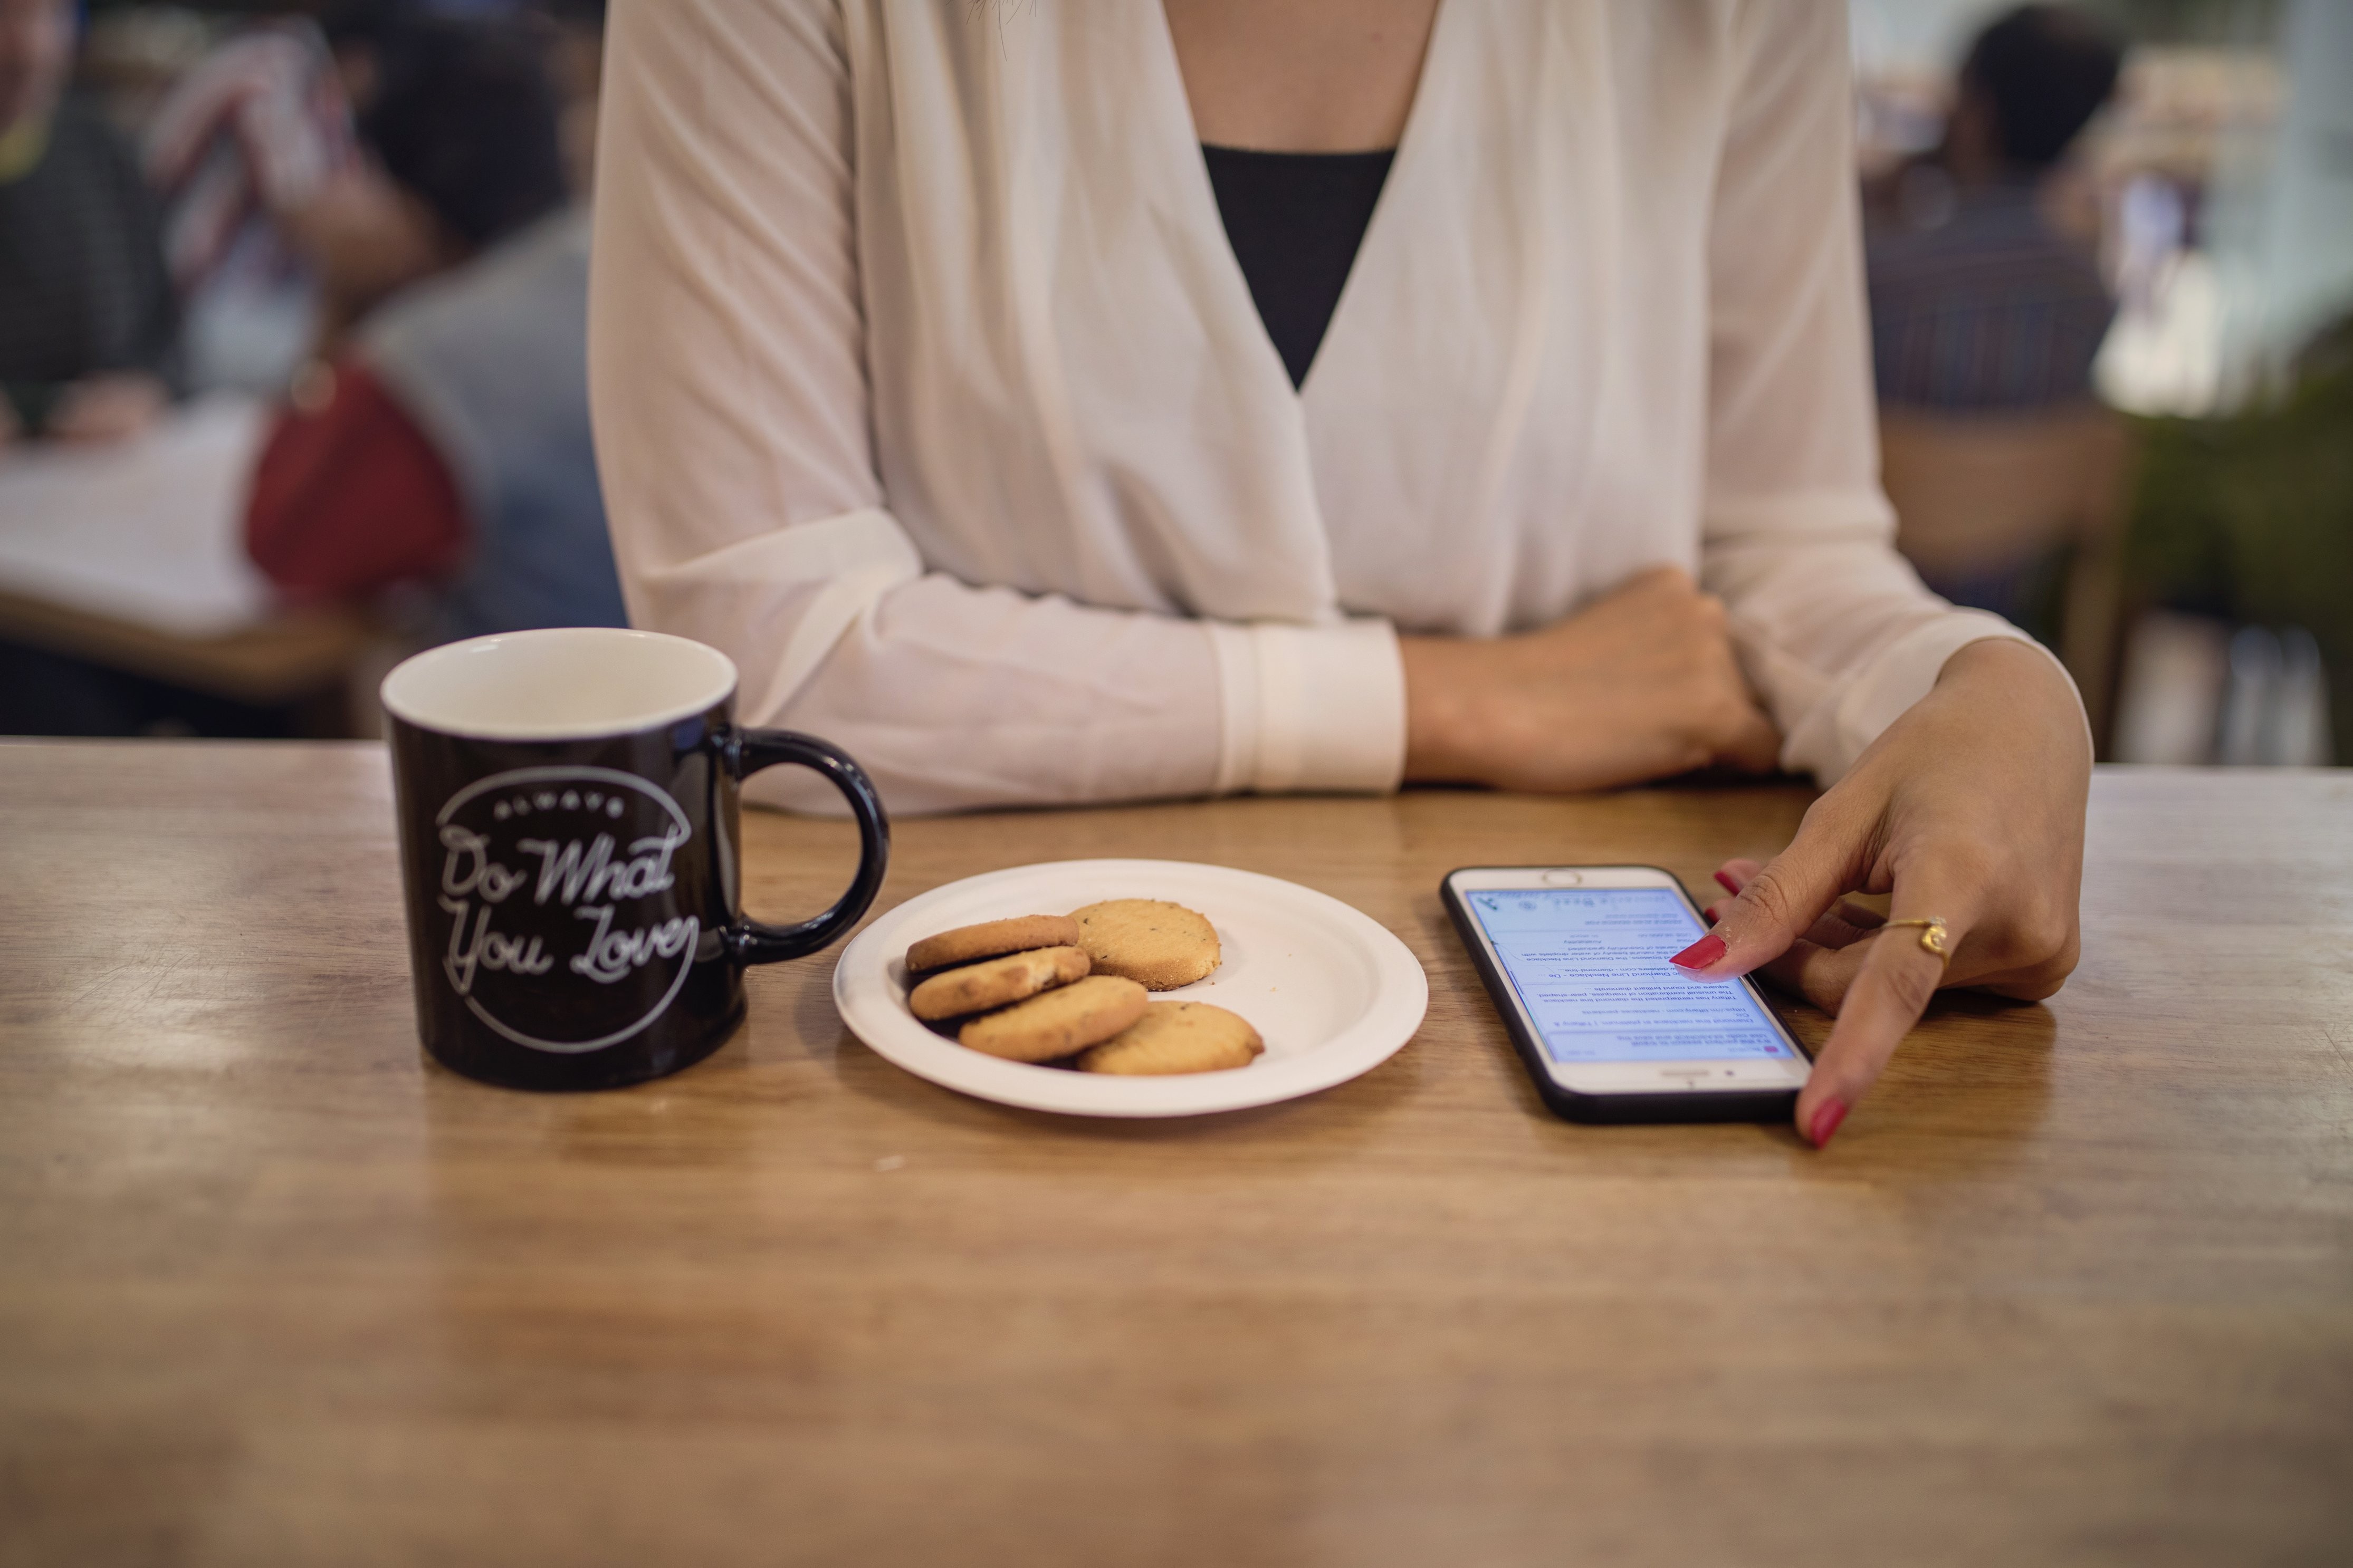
[(1576, 958)]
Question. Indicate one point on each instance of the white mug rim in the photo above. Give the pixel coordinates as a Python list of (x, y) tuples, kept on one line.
[(706, 679)]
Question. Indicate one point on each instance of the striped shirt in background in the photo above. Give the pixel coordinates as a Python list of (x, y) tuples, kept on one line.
[(1977, 306)]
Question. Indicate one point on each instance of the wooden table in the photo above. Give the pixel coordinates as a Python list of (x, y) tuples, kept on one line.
[(2074, 1286)]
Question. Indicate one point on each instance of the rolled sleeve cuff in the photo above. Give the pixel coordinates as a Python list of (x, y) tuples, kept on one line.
[(1831, 738), (1309, 708)]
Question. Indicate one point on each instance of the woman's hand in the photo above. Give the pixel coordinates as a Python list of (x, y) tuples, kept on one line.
[(1640, 685), (1970, 807)]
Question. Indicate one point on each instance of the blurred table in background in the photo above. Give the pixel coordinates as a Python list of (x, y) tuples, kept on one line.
[(2074, 1286), (278, 660), (133, 557)]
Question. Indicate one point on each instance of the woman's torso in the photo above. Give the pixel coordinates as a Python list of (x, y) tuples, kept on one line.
[(1072, 391)]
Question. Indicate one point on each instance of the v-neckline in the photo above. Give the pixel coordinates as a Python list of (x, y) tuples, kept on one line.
[(1201, 198)]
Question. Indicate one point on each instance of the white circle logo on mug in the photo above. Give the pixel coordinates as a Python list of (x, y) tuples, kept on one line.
[(561, 877)]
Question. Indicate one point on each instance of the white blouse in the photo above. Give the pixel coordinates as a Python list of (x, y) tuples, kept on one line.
[(927, 386)]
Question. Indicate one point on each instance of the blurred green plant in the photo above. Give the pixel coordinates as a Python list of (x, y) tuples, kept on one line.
[(2250, 518), (2190, 21)]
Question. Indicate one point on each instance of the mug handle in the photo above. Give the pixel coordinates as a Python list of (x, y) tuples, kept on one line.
[(743, 752)]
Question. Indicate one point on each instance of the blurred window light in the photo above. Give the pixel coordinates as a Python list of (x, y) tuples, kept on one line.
[(2294, 732), (2275, 708), (2164, 354), (2175, 670), (2195, 693), (2285, 235)]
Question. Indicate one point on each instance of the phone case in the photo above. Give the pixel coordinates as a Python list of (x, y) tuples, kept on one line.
[(1733, 1105)]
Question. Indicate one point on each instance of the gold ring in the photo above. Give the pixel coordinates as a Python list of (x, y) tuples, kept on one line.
[(1932, 934)]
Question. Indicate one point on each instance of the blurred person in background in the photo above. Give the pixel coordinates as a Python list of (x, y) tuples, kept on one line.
[(89, 327), (576, 30), (240, 148), (443, 437), (1978, 302)]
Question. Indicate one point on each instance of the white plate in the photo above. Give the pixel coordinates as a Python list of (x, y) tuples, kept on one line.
[(1332, 994)]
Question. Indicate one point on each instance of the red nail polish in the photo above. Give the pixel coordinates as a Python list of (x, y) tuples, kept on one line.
[(1827, 1117), (1701, 953), (1724, 879)]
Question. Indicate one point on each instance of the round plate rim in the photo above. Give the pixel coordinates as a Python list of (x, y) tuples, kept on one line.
[(1401, 987)]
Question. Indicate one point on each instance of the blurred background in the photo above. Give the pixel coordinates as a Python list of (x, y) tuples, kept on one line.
[(2111, 262), (292, 304), (293, 334)]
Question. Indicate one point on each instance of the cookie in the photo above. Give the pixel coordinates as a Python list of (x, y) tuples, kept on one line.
[(1058, 1022), (1152, 942), (991, 938), (994, 981), (1177, 1037)]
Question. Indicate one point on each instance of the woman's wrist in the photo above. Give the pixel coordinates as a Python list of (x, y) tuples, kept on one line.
[(1437, 695), (1987, 656), (2021, 679)]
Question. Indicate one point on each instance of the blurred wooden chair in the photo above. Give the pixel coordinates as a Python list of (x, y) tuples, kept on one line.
[(1977, 496)]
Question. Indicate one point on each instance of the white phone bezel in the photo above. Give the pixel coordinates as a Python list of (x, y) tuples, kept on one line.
[(1627, 1077)]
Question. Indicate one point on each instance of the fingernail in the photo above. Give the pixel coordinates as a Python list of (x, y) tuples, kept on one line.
[(1827, 1117), (1724, 879), (1713, 913), (1701, 953)]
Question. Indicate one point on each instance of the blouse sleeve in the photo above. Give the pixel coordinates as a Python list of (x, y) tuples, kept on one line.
[(728, 384), (1833, 626)]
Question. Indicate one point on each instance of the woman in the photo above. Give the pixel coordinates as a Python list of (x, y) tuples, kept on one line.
[(930, 384)]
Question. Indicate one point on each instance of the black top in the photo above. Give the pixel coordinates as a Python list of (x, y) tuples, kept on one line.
[(82, 284), (1295, 220)]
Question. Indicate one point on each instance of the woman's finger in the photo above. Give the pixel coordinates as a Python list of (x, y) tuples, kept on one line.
[(1890, 989), (1845, 921), (1779, 903), (1843, 927), (1820, 974), (1860, 915)]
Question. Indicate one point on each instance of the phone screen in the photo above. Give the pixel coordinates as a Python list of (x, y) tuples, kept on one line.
[(1590, 965)]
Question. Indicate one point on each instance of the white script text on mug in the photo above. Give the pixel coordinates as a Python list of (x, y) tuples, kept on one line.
[(577, 874)]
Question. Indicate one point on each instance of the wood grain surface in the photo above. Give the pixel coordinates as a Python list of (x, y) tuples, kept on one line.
[(2074, 1286)]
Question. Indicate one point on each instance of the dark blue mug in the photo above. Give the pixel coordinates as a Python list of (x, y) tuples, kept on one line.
[(569, 847)]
